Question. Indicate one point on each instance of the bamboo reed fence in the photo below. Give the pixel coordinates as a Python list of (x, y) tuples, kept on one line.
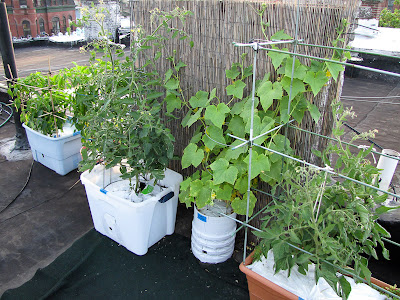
[(216, 24)]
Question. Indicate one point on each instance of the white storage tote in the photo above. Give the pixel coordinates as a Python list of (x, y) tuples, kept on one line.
[(136, 226), (60, 154)]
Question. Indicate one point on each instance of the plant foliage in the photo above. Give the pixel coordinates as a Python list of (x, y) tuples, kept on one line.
[(390, 19), (118, 100), (42, 101), (220, 127), (332, 219)]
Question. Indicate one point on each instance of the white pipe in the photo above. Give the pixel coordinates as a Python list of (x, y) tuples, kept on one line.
[(388, 167)]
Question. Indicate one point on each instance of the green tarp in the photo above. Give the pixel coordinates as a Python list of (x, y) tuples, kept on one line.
[(95, 267)]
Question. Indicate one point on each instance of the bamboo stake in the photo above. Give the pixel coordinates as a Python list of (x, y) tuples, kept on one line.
[(51, 98)]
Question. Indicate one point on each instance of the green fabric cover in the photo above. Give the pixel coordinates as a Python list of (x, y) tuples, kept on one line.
[(95, 267)]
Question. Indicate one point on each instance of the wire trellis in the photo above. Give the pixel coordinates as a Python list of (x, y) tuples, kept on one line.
[(256, 46), (250, 142)]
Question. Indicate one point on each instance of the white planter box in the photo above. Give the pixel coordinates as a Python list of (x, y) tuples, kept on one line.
[(60, 154), (136, 226)]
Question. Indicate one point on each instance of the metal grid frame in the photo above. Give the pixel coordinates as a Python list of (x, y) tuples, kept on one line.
[(256, 46)]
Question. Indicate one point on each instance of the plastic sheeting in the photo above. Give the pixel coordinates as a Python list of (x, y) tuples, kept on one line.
[(304, 285)]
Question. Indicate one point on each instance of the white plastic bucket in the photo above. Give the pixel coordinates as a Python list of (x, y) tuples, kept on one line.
[(60, 154), (136, 226), (213, 238)]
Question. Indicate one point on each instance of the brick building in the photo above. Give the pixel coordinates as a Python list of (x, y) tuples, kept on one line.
[(32, 17), (377, 6)]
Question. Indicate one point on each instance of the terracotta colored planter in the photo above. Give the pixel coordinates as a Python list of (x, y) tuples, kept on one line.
[(262, 288)]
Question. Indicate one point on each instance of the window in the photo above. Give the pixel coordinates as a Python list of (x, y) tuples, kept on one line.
[(26, 27), (22, 4), (70, 23), (41, 25), (64, 24), (56, 25)]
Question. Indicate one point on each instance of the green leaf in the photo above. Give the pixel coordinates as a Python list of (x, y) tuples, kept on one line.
[(185, 184), (196, 136), (234, 154), (225, 192), (314, 111), (316, 66), (316, 81), (366, 273), (283, 109), (148, 190), (281, 142), (236, 89), (385, 253), (223, 172), (242, 184), (381, 230), (240, 205), (294, 238), (232, 73), (193, 118), (277, 58), (266, 124), (237, 108), (213, 136), (204, 197), (246, 108), (236, 126), (317, 153), (346, 287), (268, 92), (173, 102), (334, 69), (168, 75), (299, 71), (179, 66), (200, 100), (192, 155), (213, 94), (216, 114), (154, 95), (383, 209), (195, 187), (274, 174), (184, 197), (247, 72), (259, 164), (298, 86), (279, 252), (256, 124), (172, 84), (185, 120), (281, 35), (299, 106)]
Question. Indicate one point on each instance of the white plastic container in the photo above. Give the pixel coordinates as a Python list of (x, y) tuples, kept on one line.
[(136, 226), (387, 166), (60, 154), (213, 237)]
